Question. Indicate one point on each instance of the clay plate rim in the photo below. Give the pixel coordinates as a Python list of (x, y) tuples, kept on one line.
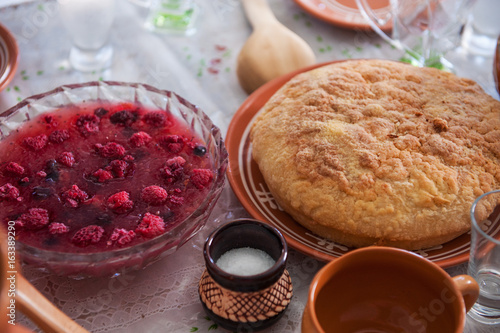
[(342, 15), (240, 169), (10, 52)]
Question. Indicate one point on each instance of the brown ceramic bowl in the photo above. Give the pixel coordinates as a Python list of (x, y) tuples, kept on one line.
[(384, 289), (9, 57)]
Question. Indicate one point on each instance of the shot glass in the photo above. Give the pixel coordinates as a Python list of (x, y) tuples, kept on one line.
[(484, 262), (483, 27), (89, 22)]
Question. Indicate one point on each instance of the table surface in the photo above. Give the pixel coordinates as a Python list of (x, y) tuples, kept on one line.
[(201, 67)]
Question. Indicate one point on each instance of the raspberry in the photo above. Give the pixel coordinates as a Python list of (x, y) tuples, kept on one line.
[(151, 226), (14, 169), (120, 202), (121, 236), (172, 143), (139, 139), (124, 117), (87, 235), (156, 119), (154, 195), (9, 192), (119, 168), (87, 124), (36, 143), (67, 158), (41, 174), (175, 200), (59, 136), (35, 218), (201, 178), (102, 175), (111, 149), (58, 228), (74, 196), (128, 158), (173, 168)]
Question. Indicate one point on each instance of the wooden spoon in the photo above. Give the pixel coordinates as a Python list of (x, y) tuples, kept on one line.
[(27, 299), (271, 50), (41, 311)]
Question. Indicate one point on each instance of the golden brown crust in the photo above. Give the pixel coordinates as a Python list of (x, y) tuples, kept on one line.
[(378, 152)]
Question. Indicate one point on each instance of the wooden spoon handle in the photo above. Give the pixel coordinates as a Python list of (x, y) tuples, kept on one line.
[(42, 312), (258, 12)]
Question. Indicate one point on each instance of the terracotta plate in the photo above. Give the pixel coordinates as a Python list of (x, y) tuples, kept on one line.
[(9, 57), (344, 13), (251, 189)]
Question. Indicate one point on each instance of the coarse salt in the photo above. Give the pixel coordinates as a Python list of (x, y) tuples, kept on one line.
[(245, 261)]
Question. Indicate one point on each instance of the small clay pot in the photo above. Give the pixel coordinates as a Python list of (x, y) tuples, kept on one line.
[(245, 303)]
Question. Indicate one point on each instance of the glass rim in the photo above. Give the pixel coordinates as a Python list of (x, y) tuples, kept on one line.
[(474, 223)]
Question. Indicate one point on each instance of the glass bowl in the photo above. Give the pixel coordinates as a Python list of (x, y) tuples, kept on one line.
[(117, 261)]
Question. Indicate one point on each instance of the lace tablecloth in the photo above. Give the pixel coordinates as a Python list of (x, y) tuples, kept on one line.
[(201, 68)]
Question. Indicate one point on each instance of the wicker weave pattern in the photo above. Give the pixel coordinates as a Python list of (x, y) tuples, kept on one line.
[(246, 307)]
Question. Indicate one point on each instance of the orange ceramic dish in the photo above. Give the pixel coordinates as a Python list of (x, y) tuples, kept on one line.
[(344, 13), (250, 188)]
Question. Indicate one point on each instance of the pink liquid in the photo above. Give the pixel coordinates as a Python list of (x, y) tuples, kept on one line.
[(43, 183)]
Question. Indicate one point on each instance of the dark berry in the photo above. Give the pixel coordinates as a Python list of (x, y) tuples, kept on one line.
[(41, 193), (124, 117), (52, 170), (100, 112), (151, 226), (103, 219), (88, 235), (154, 195), (200, 150)]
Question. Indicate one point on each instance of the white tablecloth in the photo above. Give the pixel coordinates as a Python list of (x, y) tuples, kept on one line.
[(201, 68)]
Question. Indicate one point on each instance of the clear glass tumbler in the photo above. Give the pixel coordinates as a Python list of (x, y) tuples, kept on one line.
[(484, 262), (89, 22), (483, 27)]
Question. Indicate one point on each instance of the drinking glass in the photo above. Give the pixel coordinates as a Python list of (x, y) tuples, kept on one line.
[(484, 262), (483, 27), (88, 23), (424, 29), (170, 16)]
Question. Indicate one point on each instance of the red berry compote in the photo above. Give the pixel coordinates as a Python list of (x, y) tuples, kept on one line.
[(100, 176)]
